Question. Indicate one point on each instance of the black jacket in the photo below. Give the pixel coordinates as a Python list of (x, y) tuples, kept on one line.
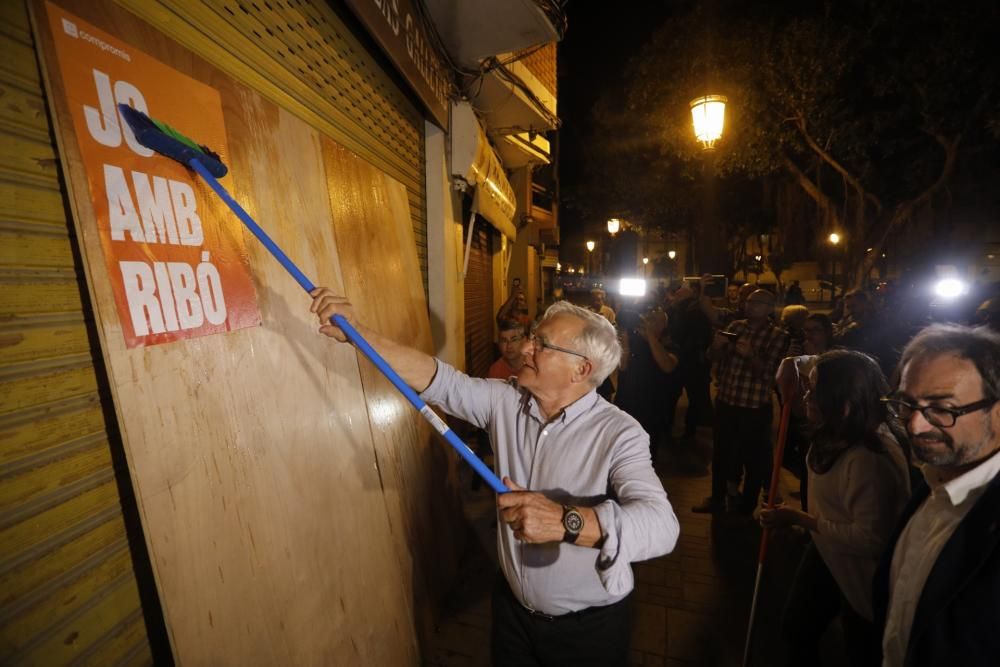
[(691, 332), (957, 621)]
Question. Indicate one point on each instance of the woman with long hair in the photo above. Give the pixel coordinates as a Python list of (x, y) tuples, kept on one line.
[(858, 486)]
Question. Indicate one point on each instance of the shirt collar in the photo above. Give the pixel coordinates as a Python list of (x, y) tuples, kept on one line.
[(970, 483), (568, 414), (579, 406)]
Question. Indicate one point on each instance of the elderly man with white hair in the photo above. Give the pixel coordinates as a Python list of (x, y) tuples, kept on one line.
[(595, 504)]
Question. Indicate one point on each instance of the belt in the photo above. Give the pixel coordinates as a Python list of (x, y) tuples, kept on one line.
[(579, 613), (502, 588)]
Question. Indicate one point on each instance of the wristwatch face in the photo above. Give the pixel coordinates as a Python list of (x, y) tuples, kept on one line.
[(572, 521)]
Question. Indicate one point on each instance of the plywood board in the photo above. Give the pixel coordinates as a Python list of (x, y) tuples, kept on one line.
[(273, 526), (381, 277)]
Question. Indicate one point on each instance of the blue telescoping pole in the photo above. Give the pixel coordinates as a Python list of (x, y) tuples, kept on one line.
[(353, 336)]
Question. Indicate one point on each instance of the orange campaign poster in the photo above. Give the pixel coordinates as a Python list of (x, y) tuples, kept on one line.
[(174, 254)]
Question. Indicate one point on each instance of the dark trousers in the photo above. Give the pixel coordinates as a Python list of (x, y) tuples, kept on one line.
[(742, 442), (596, 636), (814, 602), (696, 383)]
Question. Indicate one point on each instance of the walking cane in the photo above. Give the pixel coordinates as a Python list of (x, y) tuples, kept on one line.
[(785, 387)]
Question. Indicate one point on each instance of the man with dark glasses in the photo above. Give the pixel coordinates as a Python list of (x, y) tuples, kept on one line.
[(937, 592)]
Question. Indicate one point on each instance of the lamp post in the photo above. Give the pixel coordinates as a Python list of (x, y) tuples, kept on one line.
[(614, 225), (590, 255), (834, 239), (708, 115), (672, 255), (645, 264)]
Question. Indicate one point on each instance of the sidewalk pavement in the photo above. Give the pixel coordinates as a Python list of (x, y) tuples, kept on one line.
[(690, 607)]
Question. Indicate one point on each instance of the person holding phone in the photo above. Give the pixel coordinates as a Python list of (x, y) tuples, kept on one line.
[(748, 353), (515, 307)]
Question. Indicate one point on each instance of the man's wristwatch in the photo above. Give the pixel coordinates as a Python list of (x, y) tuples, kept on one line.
[(572, 522)]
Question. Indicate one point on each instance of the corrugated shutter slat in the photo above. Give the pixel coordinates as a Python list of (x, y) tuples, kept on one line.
[(67, 585)]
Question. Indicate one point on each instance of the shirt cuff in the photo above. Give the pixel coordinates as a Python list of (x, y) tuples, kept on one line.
[(613, 567)]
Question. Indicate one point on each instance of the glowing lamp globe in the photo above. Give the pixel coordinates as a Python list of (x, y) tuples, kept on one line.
[(709, 115)]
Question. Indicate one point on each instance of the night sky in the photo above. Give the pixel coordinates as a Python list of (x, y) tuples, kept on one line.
[(599, 41)]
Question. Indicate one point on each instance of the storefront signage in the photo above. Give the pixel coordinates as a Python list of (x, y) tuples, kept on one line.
[(397, 28)]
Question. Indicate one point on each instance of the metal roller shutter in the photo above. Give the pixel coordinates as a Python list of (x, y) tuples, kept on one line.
[(68, 587), (302, 55), (479, 310)]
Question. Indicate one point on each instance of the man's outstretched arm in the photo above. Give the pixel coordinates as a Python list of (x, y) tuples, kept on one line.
[(415, 367)]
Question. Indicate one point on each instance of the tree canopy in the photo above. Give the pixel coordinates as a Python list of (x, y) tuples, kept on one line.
[(873, 111)]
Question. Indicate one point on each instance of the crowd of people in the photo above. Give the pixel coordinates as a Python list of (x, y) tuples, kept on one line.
[(882, 465), (894, 439)]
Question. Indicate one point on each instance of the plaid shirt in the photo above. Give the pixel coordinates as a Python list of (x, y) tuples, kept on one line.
[(739, 385)]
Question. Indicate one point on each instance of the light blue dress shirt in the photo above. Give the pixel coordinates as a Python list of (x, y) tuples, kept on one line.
[(590, 455)]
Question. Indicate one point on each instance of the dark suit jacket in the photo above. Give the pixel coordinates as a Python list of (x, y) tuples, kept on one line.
[(957, 621)]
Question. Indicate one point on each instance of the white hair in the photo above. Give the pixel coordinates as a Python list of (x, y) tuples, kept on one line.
[(598, 340)]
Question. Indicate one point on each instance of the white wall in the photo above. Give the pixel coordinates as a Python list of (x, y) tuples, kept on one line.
[(524, 265), (446, 298)]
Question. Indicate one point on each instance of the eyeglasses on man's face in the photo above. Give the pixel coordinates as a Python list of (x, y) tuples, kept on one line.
[(539, 341), (935, 415)]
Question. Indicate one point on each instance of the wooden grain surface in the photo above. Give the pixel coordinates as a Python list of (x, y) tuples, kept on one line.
[(289, 499), (381, 277)]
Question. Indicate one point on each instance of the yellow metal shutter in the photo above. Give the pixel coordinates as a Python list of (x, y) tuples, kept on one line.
[(68, 590), (303, 56)]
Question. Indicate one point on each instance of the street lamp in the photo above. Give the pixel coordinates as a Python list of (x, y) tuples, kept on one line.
[(614, 224), (709, 115), (590, 256), (671, 265)]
